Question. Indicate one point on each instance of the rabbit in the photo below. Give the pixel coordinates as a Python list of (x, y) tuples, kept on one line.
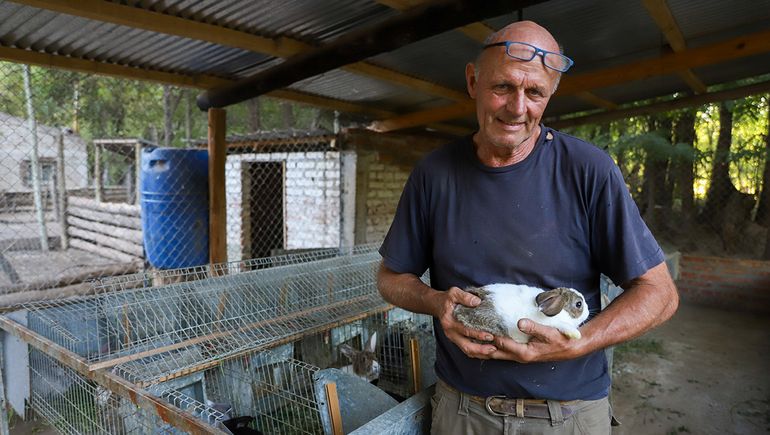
[(363, 362), (502, 305)]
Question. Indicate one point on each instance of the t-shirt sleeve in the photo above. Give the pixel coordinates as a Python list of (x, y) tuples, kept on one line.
[(623, 245), (406, 248)]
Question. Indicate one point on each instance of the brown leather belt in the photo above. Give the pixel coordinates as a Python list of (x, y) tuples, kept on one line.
[(502, 406)]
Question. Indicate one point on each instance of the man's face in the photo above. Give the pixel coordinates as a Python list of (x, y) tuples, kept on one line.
[(511, 96)]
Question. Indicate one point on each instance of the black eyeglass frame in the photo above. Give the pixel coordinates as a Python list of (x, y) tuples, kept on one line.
[(537, 51)]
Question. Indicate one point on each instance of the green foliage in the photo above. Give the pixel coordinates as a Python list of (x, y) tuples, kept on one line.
[(107, 107)]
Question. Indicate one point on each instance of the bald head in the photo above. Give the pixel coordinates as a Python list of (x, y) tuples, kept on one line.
[(524, 31)]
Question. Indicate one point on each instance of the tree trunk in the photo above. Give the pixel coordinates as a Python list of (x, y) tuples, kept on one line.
[(654, 184), (170, 103), (287, 110), (255, 115), (683, 166), (720, 186), (763, 210)]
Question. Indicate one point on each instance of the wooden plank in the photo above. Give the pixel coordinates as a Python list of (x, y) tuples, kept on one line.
[(362, 43), (280, 46), (129, 235), (333, 404), (747, 45), (75, 278), (102, 251), (227, 333), (425, 117), (103, 217), (150, 403), (660, 12), (199, 81), (108, 207), (217, 211), (168, 24), (103, 240), (414, 354), (679, 103)]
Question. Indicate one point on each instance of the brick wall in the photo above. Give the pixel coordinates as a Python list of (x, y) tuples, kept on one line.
[(312, 200), (383, 166), (725, 282), (385, 183)]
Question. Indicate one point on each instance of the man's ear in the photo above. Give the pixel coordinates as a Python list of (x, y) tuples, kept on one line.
[(470, 79)]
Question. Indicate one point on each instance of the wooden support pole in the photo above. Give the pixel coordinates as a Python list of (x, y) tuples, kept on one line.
[(61, 186), (414, 351), (34, 163), (98, 172), (333, 403), (217, 211), (137, 171)]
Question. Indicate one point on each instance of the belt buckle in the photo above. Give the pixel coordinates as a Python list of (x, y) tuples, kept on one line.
[(489, 407)]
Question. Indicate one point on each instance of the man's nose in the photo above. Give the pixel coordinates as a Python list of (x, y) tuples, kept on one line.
[(516, 103)]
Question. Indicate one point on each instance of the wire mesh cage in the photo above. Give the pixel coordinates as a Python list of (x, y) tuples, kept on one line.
[(245, 345), (193, 322)]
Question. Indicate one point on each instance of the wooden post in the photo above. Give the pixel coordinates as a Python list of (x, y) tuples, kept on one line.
[(138, 172), (4, 424), (35, 163), (98, 172), (333, 403), (414, 350), (62, 188), (217, 211)]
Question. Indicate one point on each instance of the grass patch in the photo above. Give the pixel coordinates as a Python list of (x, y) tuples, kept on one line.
[(640, 346)]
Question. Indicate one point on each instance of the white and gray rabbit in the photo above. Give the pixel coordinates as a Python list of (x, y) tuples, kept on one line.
[(363, 362), (502, 305)]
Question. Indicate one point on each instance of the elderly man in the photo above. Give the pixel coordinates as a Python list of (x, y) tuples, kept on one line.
[(518, 202)]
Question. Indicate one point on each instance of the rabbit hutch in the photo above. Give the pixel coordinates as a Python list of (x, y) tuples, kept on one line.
[(253, 343), (306, 189)]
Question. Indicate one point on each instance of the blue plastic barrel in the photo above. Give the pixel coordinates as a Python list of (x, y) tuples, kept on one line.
[(175, 207)]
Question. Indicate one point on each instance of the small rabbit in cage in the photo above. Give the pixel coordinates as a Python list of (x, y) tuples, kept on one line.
[(363, 362), (502, 305)]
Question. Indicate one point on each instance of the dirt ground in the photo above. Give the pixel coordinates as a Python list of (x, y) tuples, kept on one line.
[(707, 371)]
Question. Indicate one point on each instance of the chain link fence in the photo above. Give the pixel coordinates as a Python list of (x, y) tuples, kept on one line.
[(700, 177), (103, 177)]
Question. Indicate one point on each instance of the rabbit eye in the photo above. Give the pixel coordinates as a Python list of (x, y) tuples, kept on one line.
[(579, 304)]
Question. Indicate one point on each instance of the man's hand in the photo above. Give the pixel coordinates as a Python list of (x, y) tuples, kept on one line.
[(458, 333), (546, 344)]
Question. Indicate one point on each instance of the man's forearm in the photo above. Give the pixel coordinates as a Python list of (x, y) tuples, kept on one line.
[(407, 291), (646, 302)]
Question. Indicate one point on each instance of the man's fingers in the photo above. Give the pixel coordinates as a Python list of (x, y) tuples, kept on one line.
[(476, 350), (478, 335), (464, 298)]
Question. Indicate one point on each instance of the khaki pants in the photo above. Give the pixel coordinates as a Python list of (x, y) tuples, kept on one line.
[(455, 413)]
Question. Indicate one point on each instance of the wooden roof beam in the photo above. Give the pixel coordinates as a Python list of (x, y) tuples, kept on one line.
[(479, 31), (735, 48), (198, 82), (679, 103), (660, 12), (414, 25), (282, 47)]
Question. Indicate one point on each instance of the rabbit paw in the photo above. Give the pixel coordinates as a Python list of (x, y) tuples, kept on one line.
[(572, 333)]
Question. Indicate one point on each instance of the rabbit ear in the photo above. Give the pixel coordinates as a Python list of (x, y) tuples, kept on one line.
[(347, 351), (551, 302), (370, 346)]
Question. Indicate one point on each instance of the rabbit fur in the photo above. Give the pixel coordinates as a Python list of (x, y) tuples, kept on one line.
[(363, 362), (502, 305)]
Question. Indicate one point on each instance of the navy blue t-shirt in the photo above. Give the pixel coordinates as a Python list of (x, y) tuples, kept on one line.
[(558, 218)]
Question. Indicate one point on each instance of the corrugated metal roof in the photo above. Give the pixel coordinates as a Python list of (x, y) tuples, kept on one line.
[(597, 35)]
